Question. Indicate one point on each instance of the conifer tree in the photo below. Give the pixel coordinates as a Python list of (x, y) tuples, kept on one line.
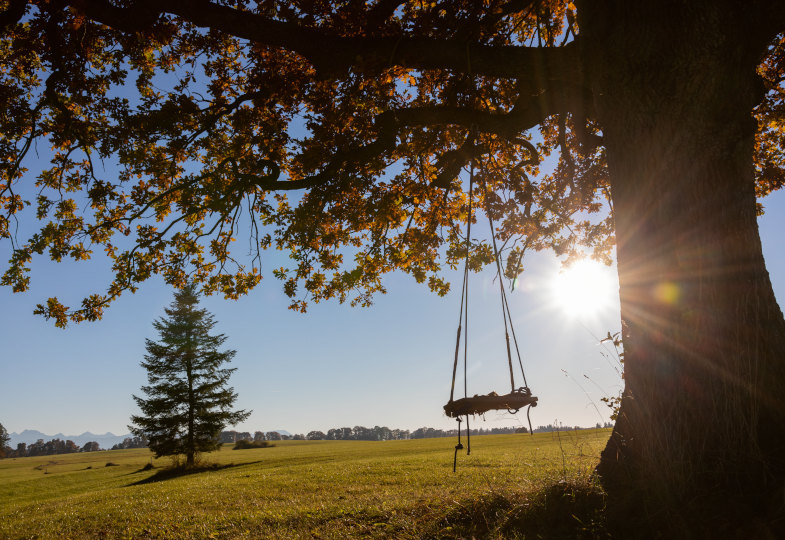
[(188, 401)]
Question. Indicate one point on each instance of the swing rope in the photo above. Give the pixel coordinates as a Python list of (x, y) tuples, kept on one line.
[(466, 311), (517, 398), (505, 304), (507, 315), (464, 317)]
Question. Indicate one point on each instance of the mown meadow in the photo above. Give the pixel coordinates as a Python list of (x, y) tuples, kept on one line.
[(510, 486)]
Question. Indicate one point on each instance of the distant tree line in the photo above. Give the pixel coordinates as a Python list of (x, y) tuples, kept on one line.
[(360, 433), (131, 442), (383, 433), (357, 433), (235, 436), (48, 448), (432, 433), (377, 433), (559, 427)]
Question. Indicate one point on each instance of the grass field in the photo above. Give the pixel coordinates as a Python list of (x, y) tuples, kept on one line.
[(511, 486)]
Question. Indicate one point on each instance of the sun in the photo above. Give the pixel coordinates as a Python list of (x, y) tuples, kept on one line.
[(584, 289)]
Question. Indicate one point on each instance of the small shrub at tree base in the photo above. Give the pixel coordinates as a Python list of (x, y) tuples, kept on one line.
[(246, 445)]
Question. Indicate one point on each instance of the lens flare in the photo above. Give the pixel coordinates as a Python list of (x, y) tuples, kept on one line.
[(667, 293)]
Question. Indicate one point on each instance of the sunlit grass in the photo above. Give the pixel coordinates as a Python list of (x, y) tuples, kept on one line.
[(298, 489)]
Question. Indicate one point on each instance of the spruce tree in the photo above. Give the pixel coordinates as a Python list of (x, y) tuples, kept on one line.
[(188, 401)]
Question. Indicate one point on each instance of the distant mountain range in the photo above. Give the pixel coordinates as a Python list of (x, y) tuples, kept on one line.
[(29, 436)]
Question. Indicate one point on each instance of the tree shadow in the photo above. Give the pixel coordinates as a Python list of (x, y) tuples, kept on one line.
[(564, 510), (170, 473)]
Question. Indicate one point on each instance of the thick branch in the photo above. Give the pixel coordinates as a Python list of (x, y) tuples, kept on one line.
[(549, 78), (12, 14), (451, 163), (387, 129), (527, 113), (137, 18), (333, 54)]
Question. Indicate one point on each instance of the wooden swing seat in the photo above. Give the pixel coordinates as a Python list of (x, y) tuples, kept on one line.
[(490, 402)]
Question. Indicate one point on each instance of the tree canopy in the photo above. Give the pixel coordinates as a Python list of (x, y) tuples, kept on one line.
[(177, 127)]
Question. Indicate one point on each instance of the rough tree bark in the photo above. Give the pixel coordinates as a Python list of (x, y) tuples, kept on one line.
[(701, 430)]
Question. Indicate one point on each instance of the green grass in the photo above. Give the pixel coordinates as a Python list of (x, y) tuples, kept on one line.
[(511, 485)]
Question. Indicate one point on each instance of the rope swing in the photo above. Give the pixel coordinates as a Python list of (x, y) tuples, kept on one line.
[(518, 398)]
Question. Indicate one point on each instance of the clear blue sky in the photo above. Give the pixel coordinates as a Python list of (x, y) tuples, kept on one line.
[(334, 366)]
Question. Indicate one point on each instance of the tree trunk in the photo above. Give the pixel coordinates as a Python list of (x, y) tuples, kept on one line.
[(700, 438), (192, 404), (191, 442)]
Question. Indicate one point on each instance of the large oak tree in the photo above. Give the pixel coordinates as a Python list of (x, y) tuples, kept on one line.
[(666, 115)]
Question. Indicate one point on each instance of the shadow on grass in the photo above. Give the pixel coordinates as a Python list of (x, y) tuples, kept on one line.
[(563, 510), (176, 472)]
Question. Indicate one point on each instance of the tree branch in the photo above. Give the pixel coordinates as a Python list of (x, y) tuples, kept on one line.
[(12, 14), (525, 115), (136, 18), (331, 54), (549, 79), (528, 112), (450, 163)]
